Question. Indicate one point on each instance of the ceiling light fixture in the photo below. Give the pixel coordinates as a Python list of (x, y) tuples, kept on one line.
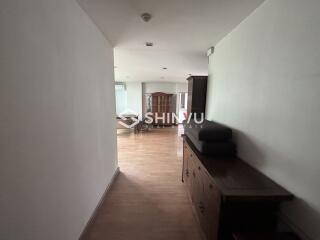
[(164, 68), (149, 44)]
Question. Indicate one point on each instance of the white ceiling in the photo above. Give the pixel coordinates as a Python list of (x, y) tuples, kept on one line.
[(181, 30)]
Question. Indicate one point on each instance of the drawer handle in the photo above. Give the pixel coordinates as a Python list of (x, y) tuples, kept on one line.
[(201, 207), (199, 168), (190, 155)]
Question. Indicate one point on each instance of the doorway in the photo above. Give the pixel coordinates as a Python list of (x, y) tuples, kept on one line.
[(182, 106)]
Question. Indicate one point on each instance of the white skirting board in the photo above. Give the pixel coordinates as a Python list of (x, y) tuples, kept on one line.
[(90, 221)]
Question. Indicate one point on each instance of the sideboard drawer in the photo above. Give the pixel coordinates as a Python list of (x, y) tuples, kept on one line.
[(204, 194), (212, 203)]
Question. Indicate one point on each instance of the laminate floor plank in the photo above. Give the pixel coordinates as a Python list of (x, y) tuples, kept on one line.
[(147, 201)]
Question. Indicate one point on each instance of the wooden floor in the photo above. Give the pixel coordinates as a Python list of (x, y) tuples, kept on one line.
[(148, 200)]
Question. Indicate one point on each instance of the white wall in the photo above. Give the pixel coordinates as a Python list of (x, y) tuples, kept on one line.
[(136, 90), (182, 87), (151, 87), (58, 139), (134, 97), (264, 81)]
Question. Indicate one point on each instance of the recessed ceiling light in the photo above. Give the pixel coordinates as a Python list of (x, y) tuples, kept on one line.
[(149, 44)]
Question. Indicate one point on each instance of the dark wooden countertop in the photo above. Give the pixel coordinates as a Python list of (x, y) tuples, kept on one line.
[(236, 179)]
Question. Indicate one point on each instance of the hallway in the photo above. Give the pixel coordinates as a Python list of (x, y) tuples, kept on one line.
[(148, 199)]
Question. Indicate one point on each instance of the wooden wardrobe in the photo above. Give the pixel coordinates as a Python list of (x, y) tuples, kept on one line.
[(163, 104)]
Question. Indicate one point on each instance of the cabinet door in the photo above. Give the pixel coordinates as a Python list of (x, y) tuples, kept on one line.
[(196, 187), (194, 180), (204, 194), (200, 200), (185, 169), (212, 201), (187, 156)]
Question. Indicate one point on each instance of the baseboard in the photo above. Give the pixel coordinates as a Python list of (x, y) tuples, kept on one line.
[(90, 221)]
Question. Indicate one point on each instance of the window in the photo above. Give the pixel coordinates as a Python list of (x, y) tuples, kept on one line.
[(121, 97)]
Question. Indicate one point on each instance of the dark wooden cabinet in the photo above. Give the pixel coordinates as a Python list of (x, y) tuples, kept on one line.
[(228, 195), (197, 92)]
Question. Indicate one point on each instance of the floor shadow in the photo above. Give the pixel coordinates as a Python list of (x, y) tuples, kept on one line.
[(134, 209)]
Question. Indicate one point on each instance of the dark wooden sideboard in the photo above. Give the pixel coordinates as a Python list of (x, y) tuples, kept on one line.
[(228, 195)]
